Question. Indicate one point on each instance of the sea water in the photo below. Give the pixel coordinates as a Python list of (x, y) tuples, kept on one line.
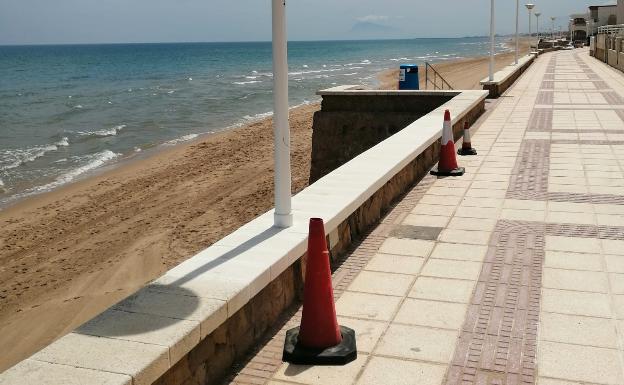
[(68, 110)]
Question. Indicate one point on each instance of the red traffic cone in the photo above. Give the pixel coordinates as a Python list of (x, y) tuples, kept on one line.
[(447, 166), (466, 148), (319, 340)]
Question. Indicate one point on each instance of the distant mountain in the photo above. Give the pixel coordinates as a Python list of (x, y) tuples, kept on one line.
[(371, 30)]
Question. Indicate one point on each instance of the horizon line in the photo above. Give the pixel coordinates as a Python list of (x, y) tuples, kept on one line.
[(246, 41)]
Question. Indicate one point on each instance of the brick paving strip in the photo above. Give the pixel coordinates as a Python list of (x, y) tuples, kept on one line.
[(499, 338), (264, 361)]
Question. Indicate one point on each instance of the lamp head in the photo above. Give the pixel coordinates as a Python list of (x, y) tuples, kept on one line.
[(529, 6), (538, 14)]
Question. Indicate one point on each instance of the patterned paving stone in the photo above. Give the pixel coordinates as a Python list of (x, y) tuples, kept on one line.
[(525, 258)]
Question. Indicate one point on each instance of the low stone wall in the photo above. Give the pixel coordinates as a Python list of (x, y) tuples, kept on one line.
[(620, 65), (506, 77), (348, 124), (209, 361), (612, 58)]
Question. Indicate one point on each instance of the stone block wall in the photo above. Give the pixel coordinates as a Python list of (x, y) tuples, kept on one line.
[(497, 89), (348, 125), (612, 58)]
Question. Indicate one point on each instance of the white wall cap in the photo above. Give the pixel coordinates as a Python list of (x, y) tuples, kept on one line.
[(144, 362), (179, 336), (234, 291), (30, 372), (210, 313)]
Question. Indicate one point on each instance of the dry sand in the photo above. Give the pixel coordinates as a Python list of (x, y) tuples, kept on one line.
[(69, 254)]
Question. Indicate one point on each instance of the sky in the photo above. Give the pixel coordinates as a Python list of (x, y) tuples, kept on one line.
[(125, 21)]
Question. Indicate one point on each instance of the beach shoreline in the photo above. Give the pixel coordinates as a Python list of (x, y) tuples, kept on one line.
[(72, 252)]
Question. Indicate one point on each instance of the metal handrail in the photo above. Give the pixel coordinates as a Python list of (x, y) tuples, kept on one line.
[(436, 75)]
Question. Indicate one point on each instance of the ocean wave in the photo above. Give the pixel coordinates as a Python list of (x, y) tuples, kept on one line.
[(181, 139), (257, 117), (263, 115), (13, 158), (248, 82), (64, 142), (104, 132), (297, 73), (91, 163)]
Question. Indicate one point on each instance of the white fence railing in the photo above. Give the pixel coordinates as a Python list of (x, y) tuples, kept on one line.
[(612, 29)]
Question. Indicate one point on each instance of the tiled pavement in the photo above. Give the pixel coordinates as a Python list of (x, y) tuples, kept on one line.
[(511, 274)]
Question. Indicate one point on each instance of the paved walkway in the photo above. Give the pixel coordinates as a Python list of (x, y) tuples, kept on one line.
[(511, 274)]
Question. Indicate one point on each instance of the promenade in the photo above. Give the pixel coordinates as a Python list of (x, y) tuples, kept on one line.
[(510, 274)]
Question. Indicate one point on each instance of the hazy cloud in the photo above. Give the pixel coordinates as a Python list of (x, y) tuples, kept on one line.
[(373, 18), (121, 21)]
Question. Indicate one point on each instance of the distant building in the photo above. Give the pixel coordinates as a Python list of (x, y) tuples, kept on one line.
[(620, 12), (579, 26), (601, 15)]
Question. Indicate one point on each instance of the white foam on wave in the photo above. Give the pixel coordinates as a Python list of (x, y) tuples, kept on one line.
[(248, 82), (181, 139), (297, 73), (91, 162), (257, 117), (104, 132), (263, 115), (64, 142), (13, 158)]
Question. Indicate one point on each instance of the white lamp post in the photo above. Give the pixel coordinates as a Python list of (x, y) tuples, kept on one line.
[(492, 27), (530, 8), (517, 32), (281, 130), (552, 33), (537, 15)]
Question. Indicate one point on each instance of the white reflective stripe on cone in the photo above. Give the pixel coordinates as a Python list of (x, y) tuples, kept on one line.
[(466, 135), (447, 132)]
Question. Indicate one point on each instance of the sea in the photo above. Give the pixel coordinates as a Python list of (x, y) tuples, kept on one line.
[(67, 111)]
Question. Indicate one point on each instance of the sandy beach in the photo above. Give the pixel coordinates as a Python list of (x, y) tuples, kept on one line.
[(69, 254)]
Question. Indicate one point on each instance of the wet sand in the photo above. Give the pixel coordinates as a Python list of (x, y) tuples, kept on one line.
[(69, 254)]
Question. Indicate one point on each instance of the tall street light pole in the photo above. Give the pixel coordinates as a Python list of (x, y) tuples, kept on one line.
[(530, 8), (517, 30), (552, 18), (492, 27), (281, 131), (537, 15)]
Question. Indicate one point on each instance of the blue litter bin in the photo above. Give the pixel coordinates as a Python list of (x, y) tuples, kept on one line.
[(408, 77)]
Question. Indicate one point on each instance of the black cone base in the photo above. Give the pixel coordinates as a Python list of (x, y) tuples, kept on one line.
[(340, 354), (467, 151), (459, 171)]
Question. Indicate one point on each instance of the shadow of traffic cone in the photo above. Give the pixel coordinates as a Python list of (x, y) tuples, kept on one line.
[(466, 148), (447, 166), (319, 340)]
